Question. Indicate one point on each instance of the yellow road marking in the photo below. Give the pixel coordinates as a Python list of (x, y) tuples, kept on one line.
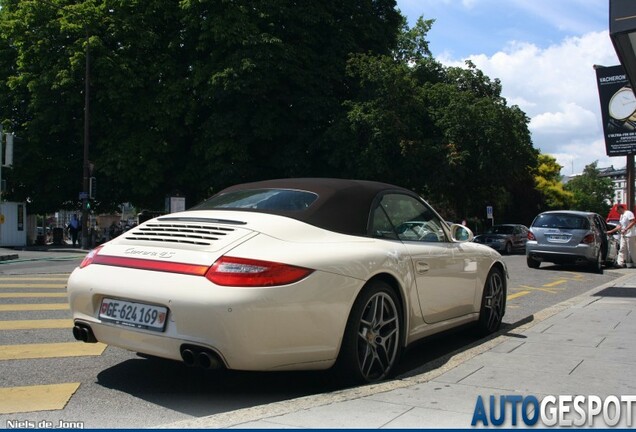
[(555, 283), (577, 276), (15, 400), (32, 285), (516, 295), (33, 307), (31, 295), (548, 290), (36, 324), (63, 349)]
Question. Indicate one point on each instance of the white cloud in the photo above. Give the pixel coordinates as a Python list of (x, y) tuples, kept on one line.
[(556, 87)]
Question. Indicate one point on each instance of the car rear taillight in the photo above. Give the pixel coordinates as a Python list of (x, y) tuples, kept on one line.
[(241, 272), (226, 271), (531, 236), (88, 259), (588, 239)]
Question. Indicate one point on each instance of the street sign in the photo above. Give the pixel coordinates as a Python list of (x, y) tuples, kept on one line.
[(489, 212), (83, 195)]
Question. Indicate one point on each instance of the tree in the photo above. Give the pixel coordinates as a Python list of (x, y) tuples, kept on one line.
[(591, 191), (486, 143), (435, 129), (185, 96), (191, 96), (548, 182)]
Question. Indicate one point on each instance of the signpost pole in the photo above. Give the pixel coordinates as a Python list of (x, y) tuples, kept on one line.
[(630, 181)]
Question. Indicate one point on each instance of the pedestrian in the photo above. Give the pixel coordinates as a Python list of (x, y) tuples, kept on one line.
[(73, 229), (627, 249)]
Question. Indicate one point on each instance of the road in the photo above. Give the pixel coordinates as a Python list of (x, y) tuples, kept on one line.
[(48, 377)]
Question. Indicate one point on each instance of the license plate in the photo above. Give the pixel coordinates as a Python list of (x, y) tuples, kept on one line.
[(558, 238), (131, 314)]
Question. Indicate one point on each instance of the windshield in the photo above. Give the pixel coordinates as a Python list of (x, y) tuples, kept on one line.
[(260, 199), (563, 221)]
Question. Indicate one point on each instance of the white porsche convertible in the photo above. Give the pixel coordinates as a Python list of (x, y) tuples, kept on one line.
[(289, 274)]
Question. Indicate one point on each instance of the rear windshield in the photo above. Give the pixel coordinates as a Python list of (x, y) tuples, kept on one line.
[(500, 229), (260, 199), (565, 221)]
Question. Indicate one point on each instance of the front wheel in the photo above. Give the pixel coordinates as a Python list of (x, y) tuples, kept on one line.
[(493, 303), (372, 341)]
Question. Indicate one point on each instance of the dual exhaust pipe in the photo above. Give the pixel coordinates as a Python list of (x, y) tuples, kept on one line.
[(196, 356), (192, 355), (83, 332)]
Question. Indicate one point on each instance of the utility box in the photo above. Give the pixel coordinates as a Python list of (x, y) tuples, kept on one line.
[(13, 230)]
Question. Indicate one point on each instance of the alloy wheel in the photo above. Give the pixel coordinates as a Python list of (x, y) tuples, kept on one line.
[(378, 337), (494, 302)]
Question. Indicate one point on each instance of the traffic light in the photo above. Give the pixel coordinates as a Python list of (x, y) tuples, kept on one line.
[(92, 188)]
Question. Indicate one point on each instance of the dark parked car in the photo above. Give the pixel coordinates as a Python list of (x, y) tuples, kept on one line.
[(505, 237), (570, 237)]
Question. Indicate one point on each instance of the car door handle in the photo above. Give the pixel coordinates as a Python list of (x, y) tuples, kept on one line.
[(421, 267)]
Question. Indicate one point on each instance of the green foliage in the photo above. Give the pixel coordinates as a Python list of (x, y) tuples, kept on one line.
[(548, 182), (185, 96), (191, 96), (591, 191), (437, 130)]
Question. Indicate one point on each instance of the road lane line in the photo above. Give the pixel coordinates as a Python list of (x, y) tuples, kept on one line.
[(517, 295), (32, 285), (14, 400), (48, 350), (36, 324), (31, 295), (555, 283), (18, 307)]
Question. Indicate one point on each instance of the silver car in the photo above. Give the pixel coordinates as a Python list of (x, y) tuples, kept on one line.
[(570, 237)]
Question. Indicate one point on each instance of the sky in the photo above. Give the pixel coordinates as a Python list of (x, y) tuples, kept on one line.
[(543, 52)]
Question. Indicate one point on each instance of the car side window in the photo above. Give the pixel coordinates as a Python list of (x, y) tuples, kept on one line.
[(381, 226), (600, 224), (410, 219)]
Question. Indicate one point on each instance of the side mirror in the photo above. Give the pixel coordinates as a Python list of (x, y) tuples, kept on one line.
[(460, 233)]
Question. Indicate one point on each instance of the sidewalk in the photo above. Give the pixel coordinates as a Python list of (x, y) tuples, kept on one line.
[(584, 346), (12, 255), (17, 252)]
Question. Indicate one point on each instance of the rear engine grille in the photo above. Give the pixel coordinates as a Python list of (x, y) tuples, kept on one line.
[(197, 234)]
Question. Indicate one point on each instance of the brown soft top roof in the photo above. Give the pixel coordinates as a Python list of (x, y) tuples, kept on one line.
[(342, 205)]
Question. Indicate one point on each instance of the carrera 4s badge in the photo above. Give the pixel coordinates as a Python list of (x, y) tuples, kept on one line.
[(149, 254)]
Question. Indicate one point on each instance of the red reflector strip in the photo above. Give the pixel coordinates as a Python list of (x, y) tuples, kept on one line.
[(144, 264)]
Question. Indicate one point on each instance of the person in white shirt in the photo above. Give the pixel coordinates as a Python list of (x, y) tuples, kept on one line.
[(627, 251)]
